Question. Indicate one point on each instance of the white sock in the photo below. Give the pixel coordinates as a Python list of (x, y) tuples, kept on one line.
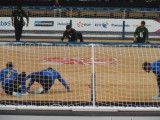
[(14, 93), (41, 89)]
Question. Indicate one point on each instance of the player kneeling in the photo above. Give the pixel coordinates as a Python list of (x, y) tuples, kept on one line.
[(11, 80), (46, 78), (141, 34)]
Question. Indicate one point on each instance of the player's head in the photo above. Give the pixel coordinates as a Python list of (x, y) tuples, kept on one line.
[(49, 68), (146, 66), (68, 28), (9, 65), (19, 8), (143, 23)]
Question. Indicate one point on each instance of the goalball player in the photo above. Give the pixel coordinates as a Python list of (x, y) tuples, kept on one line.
[(18, 22), (141, 34), (72, 34), (155, 67), (46, 78), (11, 80)]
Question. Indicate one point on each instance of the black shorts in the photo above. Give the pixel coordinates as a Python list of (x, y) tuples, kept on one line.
[(14, 85), (140, 40), (44, 80)]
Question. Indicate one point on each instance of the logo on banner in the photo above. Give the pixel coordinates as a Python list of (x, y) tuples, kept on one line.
[(44, 23), (2, 23), (80, 24), (145, 26), (119, 25), (104, 25), (76, 61), (62, 23)]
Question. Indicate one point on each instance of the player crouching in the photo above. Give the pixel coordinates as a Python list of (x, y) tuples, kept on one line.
[(46, 78), (155, 67)]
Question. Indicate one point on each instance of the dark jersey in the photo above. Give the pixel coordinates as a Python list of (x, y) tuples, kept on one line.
[(72, 35), (141, 33), (18, 16)]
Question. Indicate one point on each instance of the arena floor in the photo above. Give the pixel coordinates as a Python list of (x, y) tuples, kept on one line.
[(118, 71)]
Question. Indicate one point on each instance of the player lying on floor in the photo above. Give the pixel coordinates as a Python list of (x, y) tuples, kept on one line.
[(11, 80), (155, 67), (46, 78)]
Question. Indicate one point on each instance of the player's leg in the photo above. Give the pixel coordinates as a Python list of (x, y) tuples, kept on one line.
[(16, 32), (20, 30), (80, 36), (46, 83), (158, 83), (139, 40), (9, 89), (18, 82)]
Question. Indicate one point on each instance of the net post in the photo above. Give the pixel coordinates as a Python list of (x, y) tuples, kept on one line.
[(93, 89), (70, 22), (123, 31)]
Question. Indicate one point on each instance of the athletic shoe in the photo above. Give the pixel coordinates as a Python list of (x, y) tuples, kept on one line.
[(18, 95), (157, 97), (26, 93), (36, 92)]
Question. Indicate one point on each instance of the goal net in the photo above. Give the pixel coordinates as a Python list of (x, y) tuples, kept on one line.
[(94, 23), (99, 75)]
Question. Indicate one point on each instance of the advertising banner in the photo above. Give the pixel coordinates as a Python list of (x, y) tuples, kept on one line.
[(82, 24)]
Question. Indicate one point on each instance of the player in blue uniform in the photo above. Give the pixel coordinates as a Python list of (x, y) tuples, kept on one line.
[(11, 80), (155, 67), (46, 78)]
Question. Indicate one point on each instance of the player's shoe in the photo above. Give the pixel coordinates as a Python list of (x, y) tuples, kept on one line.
[(26, 93), (17, 94), (36, 92), (156, 97)]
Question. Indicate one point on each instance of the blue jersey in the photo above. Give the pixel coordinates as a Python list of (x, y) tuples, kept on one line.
[(7, 75), (53, 74), (155, 67)]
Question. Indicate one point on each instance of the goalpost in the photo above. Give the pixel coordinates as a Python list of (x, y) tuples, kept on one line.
[(102, 76)]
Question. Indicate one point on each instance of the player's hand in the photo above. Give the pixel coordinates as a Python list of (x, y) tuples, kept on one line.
[(69, 90), (27, 25), (62, 39), (134, 41)]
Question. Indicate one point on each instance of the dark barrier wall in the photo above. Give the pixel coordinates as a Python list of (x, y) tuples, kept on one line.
[(87, 3)]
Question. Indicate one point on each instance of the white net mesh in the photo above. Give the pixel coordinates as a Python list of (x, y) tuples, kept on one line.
[(98, 75)]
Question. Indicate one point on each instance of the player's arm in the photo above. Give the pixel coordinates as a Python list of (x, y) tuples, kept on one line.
[(26, 16), (1, 75), (15, 73), (135, 34), (59, 77), (75, 34), (12, 18), (31, 81), (146, 37), (64, 35)]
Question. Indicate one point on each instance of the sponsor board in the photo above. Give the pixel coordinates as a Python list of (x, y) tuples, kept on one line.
[(83, 24), (44, 23)]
